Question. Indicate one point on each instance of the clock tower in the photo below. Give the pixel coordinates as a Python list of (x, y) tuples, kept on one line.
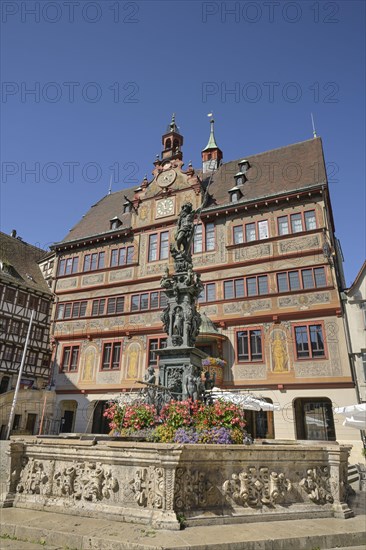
[(172, 142)]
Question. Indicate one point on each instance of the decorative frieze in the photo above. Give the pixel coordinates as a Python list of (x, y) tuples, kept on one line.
[(250, 372), (146, 482), (316, 485), (299, 244), (256, 487), (35, 478), (303, 301), (92, 279), (191, 488), (209, 310), (148, 487), (205, 259), (313, 370), (80, 480), (253, 252), (66, 283), (155, 268), (85, 481), (120, 275), (248, 307)]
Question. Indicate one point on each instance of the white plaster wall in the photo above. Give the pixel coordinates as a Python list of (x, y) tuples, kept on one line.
[(284, 419)]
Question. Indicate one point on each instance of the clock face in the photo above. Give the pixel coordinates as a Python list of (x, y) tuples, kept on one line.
[(166, 178), (165, 207)]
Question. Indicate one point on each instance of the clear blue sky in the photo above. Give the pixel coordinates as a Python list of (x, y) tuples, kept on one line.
[(109, 74)]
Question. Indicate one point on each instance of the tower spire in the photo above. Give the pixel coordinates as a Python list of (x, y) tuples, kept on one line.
[(211, 154), (211, 140)]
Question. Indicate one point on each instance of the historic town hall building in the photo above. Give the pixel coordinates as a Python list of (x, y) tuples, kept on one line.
[(264, 245)]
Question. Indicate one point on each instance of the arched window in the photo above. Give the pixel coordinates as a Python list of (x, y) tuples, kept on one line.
[(175, 144), (314, 419), (168, 144)]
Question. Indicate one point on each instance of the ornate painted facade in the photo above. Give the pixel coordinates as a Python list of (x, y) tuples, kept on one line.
[(265, 249)]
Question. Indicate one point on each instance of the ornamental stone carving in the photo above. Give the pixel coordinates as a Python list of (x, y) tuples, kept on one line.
[(148, 487), (191, 488), (255, 487), (85, 480), (34, 480), (316, 485)]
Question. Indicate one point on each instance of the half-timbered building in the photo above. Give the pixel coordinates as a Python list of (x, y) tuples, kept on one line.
[(23, 289)]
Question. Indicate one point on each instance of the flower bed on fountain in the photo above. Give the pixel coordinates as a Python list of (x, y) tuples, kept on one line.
[(179, 422)]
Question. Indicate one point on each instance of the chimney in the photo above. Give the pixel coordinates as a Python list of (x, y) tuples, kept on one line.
[(13, 233)]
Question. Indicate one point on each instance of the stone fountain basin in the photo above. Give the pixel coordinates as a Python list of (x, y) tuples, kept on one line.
[(163, 484)]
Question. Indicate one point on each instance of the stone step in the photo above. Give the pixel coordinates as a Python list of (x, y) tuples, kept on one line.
[(16, 544), (60, 531)]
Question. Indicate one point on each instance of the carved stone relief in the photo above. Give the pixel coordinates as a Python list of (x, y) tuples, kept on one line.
[(256, 487), (316, 485), (148, 487), (85, 480), (191, 488), (34, 479)]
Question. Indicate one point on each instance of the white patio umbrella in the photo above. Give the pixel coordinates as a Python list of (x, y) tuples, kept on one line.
[(245, 400), (355, 415)]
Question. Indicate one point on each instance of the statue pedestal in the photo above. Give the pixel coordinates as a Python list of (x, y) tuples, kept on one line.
[(180, 369)]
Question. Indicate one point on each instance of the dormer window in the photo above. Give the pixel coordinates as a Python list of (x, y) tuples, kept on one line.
[(127, 207), (243, 166), (115, 223), (240, 178), (235, 194)]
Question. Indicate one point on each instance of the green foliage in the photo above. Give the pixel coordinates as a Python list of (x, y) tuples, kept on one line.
[(182, 520)]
